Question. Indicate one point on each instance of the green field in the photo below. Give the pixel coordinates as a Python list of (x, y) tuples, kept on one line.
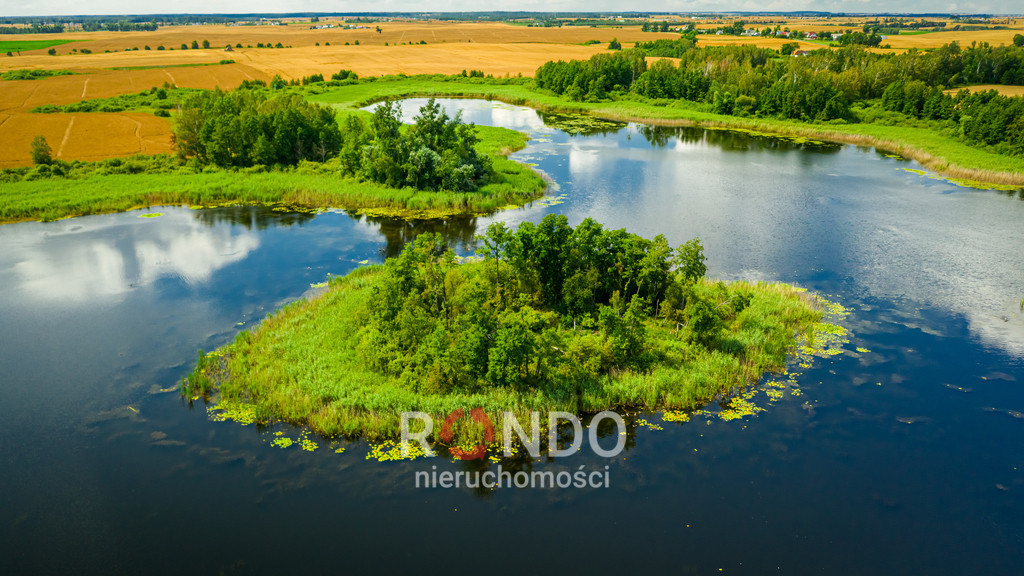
[(26, 45)]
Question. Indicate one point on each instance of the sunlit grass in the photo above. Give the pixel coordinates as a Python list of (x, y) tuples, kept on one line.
[(301, 365)]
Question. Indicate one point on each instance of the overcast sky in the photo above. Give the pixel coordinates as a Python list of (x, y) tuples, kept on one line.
[(51, 7)]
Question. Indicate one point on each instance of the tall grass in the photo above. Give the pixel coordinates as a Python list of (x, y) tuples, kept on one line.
[(301, 365)]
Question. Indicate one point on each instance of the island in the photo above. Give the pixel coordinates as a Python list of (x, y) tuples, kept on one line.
[(547, 317)]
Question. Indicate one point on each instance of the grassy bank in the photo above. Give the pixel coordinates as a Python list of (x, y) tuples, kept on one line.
[(309, 185), (934, 151), (304, 365)]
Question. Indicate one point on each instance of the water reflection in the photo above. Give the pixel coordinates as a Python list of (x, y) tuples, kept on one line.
[(102, 257), (253, 217), (459, 231)]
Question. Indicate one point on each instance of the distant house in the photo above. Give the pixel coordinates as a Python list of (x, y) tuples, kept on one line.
[(812, 35), (801, 52), (837, 36), (782, 33)]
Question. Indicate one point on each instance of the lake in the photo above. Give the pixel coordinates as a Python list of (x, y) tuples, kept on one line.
[(904, 456)]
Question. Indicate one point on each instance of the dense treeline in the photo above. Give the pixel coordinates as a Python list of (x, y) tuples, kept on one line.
[(436, 153), (246, 128), (119, 26), (549, 303), (820, 86), (33, 29), (594, 78), (668, 48)]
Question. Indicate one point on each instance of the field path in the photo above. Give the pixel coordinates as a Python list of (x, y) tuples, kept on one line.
[(85, 87), (29, 97), (138, 133), (173, 81), (67, 134)]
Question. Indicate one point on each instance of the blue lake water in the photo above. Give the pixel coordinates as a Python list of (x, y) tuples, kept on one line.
[(908, 458)]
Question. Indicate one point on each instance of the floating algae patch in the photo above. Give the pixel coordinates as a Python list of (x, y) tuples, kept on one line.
[(966, 183), (580, 124), (675, 416), (740, 407), (826, 339), (283, 442), (389, 451), (643, 423), (550, 201), (151, 215), (226, 411)]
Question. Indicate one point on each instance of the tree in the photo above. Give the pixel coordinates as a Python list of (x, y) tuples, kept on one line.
[(614, 44), (41, 151), (195, 45), (53, 51), (496, 244), (689, 261), (206, 43), (1018, 39)]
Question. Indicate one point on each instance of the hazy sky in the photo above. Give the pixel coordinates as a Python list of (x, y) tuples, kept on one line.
[(48, 7)]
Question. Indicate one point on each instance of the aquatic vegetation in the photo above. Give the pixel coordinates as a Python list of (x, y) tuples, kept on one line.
[(389, 451), (643, 423), (226, 410), (151, 215)]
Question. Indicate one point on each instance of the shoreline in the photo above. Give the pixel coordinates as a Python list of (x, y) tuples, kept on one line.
[(957, 174), (53, 199)]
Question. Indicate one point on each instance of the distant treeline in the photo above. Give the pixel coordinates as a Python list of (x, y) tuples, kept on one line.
[(33, 29), (119, 26), (821, 86)]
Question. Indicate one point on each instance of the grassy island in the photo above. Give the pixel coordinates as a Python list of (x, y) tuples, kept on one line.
[(551, 318)]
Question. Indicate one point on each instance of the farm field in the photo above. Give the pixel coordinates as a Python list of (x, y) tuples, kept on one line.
[(119, 63), (1004, 90)]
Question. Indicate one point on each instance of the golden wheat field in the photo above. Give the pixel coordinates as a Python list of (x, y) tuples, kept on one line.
[(1004, 90), (113, 67)]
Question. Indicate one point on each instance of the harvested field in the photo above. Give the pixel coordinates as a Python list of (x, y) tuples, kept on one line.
[(92, 136), (495, 48), (1004, 90), (936, 39)]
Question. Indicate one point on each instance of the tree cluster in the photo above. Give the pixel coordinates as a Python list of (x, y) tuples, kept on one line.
[(436, 153), (594, 78), (33, 29), (246, 128), (549, 303)]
